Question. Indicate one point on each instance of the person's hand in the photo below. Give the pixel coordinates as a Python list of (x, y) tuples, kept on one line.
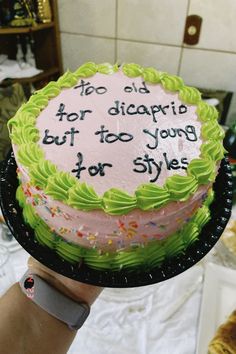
[(28, 327), (74, 289)]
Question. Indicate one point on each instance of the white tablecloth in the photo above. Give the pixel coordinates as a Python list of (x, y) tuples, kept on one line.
[(128, 321)]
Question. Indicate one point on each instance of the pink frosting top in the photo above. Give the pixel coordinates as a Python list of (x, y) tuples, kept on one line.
[(112, 131)]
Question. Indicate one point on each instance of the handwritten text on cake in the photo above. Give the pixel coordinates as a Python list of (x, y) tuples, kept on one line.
[(119, 109)]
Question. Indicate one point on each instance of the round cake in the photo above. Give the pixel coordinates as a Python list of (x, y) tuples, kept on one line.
[(116, 165)]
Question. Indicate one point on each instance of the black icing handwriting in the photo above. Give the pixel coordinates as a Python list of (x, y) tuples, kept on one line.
[(71, 117), (173, 164), (87, 89), (182, 109), (79, 165), (153, 110), (147, 164), (133, 88), (132, 109), (106, 136), (92, 170), (189, 133), (51, 139), (98, 169)]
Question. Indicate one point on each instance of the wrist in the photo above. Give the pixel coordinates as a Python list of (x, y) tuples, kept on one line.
[(54, 302), (32, 329), (73, 289)]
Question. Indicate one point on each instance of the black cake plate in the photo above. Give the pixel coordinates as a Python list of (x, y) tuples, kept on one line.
[(220, 214)]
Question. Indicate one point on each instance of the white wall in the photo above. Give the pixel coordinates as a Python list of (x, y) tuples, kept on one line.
[(150, 32)]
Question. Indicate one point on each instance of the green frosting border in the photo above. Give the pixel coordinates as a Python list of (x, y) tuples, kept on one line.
[(65, 187), (151, 255)]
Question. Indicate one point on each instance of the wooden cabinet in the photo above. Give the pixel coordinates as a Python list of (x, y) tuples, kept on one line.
[(47, 48)]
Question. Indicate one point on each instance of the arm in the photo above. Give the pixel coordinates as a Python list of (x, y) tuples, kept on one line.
[(29, 329)]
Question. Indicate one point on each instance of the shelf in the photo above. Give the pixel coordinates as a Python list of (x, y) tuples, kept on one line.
[(38, 77), (46, 47), (19, 30)]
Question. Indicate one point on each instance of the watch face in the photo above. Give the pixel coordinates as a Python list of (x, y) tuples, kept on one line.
[(29, 283), (29, 286)]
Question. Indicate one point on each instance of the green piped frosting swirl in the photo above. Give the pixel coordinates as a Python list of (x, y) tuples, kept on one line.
[(30, 216), (127, 260), (210, 198), (154, 254), (69, 252), (22, 119), (86, 70), (29, 154), (206, 112), (39, 173), (107, 68), (174, 245), (132, 70), (190, 232), (203, 170), (189, 95), (202, 216), (52, 89), (59, 185), (100, 261), (67, 80), (147, 197), (149, 256), (151, 75), (117, 202), (24, 134), (151, 196), (44, 235), (29, 107), (171, 82), (40, 100), (212, 131), (181, 187), (213, 150), (20, 197), (84, 197)]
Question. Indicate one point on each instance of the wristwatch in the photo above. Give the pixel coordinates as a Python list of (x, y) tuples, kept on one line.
[(53, 301)]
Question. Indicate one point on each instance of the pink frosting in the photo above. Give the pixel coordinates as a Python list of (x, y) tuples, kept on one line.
[(105, 232), (121, 155)]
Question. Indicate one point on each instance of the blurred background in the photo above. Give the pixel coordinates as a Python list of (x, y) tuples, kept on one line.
[(195, 39)]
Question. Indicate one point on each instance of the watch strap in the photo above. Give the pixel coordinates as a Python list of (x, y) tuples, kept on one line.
[(53, 301)]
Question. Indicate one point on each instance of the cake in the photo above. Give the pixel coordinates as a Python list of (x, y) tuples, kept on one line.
[(116, 165)]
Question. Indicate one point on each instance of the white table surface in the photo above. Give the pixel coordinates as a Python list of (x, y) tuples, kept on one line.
[(129, 321)]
